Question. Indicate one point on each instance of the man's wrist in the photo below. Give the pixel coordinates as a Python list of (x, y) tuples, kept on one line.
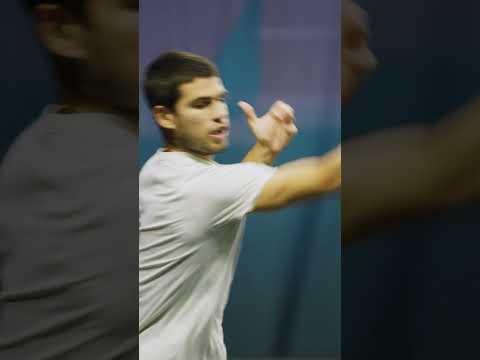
[(266, 148), (261, 153)]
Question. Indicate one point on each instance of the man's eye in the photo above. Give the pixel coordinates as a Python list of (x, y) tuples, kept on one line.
[(201, 104)]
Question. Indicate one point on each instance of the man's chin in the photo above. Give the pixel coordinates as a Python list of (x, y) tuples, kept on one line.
[(350, 89), (220, 149), (213, 149)]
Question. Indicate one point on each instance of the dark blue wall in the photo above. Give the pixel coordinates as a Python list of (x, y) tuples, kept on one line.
[(27, 77), (413, 292)]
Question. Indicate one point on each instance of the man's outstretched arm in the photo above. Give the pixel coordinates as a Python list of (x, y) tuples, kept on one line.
[(408, 171), (300, 180)]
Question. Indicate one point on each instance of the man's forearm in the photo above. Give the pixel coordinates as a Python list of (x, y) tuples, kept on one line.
[(404, 172), (314, 176), (260, 154), (330, 170), (301, 180), (455, 148)]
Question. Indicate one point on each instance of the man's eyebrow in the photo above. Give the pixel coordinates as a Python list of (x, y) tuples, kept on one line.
[(202, 98), (224, 93)]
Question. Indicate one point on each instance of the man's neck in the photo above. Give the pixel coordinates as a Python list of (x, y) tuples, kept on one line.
[(173, 148), (77, 105)]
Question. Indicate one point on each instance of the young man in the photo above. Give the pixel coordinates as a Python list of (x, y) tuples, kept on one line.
[(409, 171), (68, 190), (192, 209)]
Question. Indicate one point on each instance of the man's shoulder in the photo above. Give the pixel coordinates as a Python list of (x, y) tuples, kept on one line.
[(26, 151), (237, 171), (168, 170), (220, 180), (157, 166)]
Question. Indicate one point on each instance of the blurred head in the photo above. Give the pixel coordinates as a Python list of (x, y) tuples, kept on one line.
[(357, 59), (95, 47), (187, 97)]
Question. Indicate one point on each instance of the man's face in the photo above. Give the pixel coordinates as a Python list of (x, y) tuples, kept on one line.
[(201, 116), (111, 38), (357, 59)]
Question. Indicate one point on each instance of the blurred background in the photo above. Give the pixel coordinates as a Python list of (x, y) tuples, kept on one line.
[(285, 299), (28, 83), (412, 292)]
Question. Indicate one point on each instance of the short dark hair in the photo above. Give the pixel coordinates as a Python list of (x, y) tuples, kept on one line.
[(76, 7), (172, 69)]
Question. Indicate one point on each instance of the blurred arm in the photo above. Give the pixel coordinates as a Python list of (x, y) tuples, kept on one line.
[(399, 173)]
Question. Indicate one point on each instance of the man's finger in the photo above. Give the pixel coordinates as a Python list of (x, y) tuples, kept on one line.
[(287, 108), (248, 110), (283, 115), (293, 129), (282, 111)]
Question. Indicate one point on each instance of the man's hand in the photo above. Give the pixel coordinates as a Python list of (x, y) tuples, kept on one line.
[(275, 129)]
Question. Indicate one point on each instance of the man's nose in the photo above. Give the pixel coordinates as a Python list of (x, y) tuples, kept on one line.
[(220, 112)]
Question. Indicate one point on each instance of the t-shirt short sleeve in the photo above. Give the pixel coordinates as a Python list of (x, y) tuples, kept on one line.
[(225, 193)]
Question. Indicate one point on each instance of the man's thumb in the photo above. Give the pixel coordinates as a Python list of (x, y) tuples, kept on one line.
[(248, 110)]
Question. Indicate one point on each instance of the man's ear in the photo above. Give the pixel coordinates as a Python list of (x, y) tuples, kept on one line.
[(164, 117), (60, 32)]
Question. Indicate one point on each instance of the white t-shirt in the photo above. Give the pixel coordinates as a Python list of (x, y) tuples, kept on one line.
[(192, 215)]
